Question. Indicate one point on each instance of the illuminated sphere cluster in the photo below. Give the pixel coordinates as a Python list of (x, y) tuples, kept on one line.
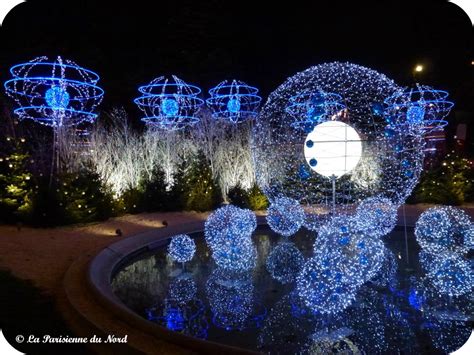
[(169, 103), (377, 216), (323, 287), (285, 262), (285, 216), (342, 242), (54, 93), (391, 160), (228, 232), (234, 101), (182, 290), (444, 228), (181, 248)]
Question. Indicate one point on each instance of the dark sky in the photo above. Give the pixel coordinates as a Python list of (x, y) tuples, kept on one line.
[(204, 42)]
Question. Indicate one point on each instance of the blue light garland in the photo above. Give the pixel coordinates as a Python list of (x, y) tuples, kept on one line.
[(55, 94), (181, 248), (169, 104), (234, 102)]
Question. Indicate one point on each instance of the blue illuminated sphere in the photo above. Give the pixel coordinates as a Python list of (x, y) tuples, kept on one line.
[(452, 274), (170, 107), (233, 105), (415, 114), (444, 228), (285, 262), (228, 232), (285, 216), (323, 287), (181, 248), (358, 254), (376, 216), (229, 223), (57, 98)]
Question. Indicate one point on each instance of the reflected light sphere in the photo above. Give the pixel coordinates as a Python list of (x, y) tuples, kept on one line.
[(332, 148)]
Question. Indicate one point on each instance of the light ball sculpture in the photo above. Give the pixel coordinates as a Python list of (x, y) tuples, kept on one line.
[(285, 216), (234, 101), (56, 93), (285, 262), (323, 287), (181, 248), (392, 159), (169, 104), (377, 216), (420, 109), (452, 274), (444, 228), (342, 242), (228, 232)]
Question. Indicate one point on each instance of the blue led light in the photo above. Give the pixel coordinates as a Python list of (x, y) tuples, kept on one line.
[(170, 107), (169, 103), (233, 105), (57, 98), (234, 102), (58, 93)]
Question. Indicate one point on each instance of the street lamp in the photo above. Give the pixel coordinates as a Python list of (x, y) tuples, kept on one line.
[(419, 68)]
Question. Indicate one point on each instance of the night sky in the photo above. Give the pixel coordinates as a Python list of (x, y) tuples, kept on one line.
[(204, 42)]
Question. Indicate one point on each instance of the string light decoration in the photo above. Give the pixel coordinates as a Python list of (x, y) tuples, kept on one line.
[(387, 274), (444, 228), (234, 101), (279, 140), (285, 216), (451, 274), (169, 103), (181, 248), (56, 93), (341, 241), (447, 336), (285, 262), (323, 287), (418, 110), (378, 216), (228, 233)]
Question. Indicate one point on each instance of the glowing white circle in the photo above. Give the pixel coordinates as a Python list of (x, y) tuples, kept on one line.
[(332, 148)]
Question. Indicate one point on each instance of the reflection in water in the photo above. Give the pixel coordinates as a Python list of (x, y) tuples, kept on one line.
[(399, 311), (231, 299), (285, 262), (181, 310)]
